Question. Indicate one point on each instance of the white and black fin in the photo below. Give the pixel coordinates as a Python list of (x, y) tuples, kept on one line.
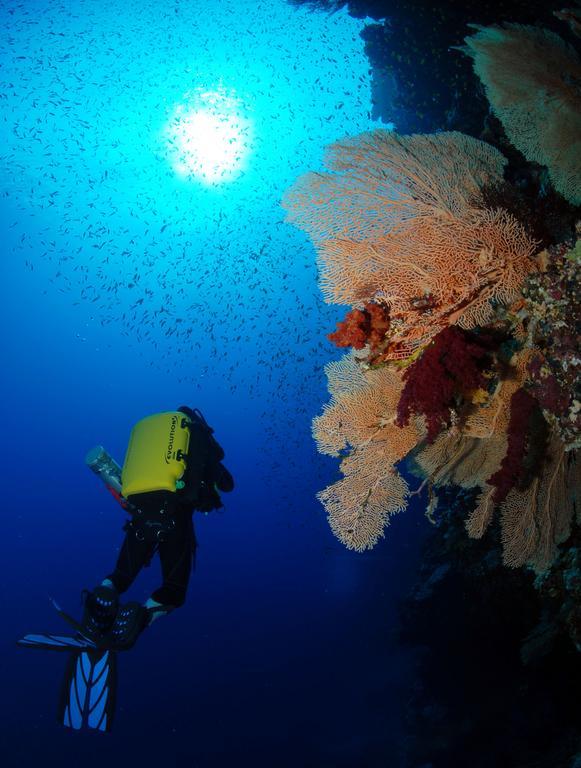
[(89, 690)]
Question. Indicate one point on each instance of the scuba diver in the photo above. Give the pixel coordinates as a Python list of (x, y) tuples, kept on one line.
[(173, 467)]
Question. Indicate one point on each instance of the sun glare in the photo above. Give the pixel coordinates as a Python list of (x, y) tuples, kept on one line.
[(208, 137)]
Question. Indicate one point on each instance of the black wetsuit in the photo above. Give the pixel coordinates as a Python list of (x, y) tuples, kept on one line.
[(158, 512), (162, 521)]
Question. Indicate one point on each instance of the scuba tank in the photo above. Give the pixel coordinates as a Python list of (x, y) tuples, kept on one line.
[(106, 469), (167, 452)]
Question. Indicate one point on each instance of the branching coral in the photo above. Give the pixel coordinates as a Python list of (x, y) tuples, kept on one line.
[(532, 80)]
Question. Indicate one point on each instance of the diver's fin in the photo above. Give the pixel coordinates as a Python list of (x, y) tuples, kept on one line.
[(89, 690), (69, 619), (47, 642)]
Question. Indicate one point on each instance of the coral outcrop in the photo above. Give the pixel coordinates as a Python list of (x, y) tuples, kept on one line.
[(464, 326)]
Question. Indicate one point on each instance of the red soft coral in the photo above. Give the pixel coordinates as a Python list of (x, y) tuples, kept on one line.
[(451, 365), (351, 332), (361, 327), (526, 446)]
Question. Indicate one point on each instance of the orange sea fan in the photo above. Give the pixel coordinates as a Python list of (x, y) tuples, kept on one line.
[(359, 506), (360, 419), (382, 180), (363, 410), (532, 77), (537, 519), (402, 223)]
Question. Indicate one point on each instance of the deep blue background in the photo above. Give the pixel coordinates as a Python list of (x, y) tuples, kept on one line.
[(286, 652)]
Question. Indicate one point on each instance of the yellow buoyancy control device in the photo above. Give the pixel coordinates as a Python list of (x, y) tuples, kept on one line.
[(155, 458)]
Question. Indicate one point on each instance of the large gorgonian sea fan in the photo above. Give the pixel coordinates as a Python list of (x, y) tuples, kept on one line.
[(533, 83), (402, 218)]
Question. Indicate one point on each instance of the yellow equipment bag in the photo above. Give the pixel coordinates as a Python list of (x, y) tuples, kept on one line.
[(155, 458)]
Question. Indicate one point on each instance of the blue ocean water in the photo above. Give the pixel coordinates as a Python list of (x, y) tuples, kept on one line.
[(145, 149)]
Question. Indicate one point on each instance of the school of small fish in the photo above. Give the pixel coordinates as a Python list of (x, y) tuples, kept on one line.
[(205, 281)]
